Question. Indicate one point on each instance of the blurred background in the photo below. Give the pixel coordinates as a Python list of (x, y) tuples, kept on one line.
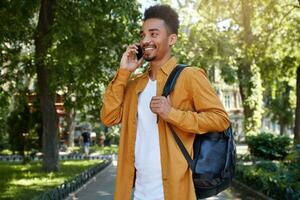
[(57, 57)]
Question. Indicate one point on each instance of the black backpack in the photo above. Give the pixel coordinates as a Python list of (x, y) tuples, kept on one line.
[(214, 153)]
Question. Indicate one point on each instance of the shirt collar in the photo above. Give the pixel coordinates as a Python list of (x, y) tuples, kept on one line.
[(166, 68), (169, 65)]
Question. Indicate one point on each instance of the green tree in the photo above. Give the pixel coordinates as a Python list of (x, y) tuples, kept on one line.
[(279, 62), (4, 109), (88, 43), (210, 44), (254, 41), (297, 120), (18, 128), (67, 46), (280, 106), (42, 42), (297, 110), (16, 33)]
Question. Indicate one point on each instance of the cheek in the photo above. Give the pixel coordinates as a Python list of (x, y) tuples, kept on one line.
[(164, 46)]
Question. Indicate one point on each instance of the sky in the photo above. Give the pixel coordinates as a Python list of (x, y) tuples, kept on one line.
[(192, 16), (147, 3)]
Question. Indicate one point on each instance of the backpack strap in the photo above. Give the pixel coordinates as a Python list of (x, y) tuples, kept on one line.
[(181, 146), (171, 81), (168, 88)]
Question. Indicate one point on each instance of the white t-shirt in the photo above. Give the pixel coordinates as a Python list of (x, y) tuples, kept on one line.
[(148, 183)]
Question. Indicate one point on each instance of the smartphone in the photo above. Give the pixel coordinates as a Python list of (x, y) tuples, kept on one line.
[(139, 53)]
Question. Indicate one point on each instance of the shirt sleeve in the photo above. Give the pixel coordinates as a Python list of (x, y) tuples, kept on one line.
[(208, 114), (111, 111)]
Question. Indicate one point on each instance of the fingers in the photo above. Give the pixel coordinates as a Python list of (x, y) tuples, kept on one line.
[(155, 104), (129, 60), (131, 50), (158, 103), (168, 98), (156, 100)]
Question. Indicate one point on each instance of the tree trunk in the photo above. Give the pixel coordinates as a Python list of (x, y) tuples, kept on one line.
[(297, 114), (47, 99), (71, 126), (282, 128), (246, 72)]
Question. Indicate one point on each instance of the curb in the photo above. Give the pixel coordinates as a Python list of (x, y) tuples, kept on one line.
[(72, 196), (255, 193), (68, 188)]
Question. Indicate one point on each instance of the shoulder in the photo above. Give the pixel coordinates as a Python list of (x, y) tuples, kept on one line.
[(194, 78), (193, 72)]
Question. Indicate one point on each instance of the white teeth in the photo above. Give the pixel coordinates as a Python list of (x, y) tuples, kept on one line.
[(149, 48)]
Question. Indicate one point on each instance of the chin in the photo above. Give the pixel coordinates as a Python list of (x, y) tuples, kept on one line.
[(149, 59)]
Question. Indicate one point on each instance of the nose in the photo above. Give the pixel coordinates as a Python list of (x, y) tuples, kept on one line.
[(146, 40)]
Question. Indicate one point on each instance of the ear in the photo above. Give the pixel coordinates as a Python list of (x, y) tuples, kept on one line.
[(172, 39)]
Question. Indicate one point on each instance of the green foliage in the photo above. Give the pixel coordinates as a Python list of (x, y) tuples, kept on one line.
[(113, 135), (18, 128), (277, 180), (254, 43), (107, 150), (24, 128), (17, 21), (6, 152), (89, 38), (294, 156), (268, 146), (253, 101), (4, 110), (281, 109), (27, 181)]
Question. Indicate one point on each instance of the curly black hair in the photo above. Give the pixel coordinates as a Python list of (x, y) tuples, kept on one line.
[(166, 13)]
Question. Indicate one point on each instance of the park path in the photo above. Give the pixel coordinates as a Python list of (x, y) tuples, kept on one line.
[(101, 187)]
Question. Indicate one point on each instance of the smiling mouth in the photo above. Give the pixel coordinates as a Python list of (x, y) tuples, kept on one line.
[(149, 48)]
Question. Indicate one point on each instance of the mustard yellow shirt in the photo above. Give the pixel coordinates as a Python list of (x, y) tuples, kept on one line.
[(195, 109)]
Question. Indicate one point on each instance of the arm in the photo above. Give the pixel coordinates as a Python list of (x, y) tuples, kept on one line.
[(209, 114), (111, 112)]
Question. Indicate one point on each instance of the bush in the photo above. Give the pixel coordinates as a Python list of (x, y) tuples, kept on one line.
[(269, 146), (294, 156), (107, 150), (277, 180)]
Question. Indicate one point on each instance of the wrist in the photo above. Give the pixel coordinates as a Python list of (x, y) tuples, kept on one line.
[(123, 74), (126, 68)]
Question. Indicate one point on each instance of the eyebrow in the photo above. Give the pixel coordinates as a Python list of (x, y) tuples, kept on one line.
[(151, 30)]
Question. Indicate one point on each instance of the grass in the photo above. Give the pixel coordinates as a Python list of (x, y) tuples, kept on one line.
[(27, 181)]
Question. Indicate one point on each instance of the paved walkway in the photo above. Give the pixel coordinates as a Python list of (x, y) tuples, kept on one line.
[(101, 187)]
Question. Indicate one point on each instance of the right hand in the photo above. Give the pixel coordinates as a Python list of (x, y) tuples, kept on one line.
[(129, 60)]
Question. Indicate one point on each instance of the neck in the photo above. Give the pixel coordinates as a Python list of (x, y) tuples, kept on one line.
[(156, 65)]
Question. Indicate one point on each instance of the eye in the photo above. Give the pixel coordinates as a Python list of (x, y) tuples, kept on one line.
[(154, 34)]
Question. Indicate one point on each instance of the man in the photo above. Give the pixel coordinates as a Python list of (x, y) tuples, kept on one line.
[(86, 141), (149, 160)]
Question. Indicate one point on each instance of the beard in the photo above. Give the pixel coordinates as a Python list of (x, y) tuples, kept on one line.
[(150, 56), (149, 59)]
